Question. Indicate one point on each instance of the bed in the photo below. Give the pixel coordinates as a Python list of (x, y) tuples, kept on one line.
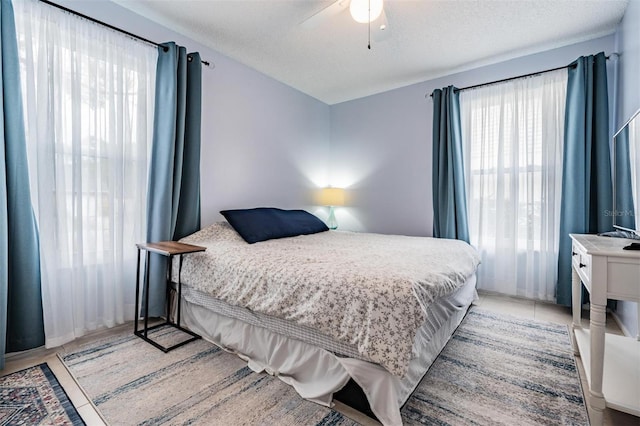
[(327, 310)]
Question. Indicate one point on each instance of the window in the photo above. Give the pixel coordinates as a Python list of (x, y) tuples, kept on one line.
[(88, 95), (513, 134)]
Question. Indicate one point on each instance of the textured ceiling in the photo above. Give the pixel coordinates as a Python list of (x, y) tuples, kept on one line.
[(328, 58)]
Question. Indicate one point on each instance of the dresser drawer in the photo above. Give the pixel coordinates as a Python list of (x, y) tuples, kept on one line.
[(581, 262), (623, 276)]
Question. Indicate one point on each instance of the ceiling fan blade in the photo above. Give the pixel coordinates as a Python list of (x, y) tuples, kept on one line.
[(326, 13)]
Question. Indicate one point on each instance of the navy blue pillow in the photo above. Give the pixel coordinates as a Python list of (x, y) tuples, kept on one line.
[(266, 223)]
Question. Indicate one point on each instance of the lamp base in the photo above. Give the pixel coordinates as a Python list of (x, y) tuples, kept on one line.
[(332, 223)]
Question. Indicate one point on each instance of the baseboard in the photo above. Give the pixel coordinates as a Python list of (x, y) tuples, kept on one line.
[(623, 327)]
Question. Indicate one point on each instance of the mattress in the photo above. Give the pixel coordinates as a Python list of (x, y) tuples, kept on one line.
[(284, 327), (313, 363), (367, 292)]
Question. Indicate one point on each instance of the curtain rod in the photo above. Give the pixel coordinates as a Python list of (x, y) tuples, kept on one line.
[(104, 24), (519, 76)]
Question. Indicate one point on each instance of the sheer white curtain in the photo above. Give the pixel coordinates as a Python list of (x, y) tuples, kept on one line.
[(513, 133), (88, 94)]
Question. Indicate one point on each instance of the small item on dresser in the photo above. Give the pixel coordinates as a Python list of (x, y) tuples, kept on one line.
[(632, 246), (619, 234)]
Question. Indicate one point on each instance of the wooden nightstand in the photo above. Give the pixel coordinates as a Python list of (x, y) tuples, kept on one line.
[(167, 249)]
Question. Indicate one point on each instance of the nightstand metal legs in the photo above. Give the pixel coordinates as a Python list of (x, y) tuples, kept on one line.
[(143, 333)]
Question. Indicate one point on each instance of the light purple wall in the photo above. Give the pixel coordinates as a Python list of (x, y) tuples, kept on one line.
[(263, 143), (628, 102), (381, 144)]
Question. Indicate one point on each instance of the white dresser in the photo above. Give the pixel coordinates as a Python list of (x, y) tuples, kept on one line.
[(611, 362)]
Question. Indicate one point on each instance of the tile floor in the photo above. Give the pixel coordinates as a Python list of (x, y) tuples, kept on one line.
[(504, 304)]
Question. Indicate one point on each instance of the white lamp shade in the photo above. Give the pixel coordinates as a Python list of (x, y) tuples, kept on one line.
[(331, 197), (360, 10)]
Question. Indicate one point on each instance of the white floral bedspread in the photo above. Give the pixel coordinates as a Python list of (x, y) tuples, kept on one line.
[(367, 290)]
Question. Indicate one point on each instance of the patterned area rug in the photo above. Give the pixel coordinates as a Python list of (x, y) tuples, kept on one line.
[(501, 370), (33, 396), (496, 370), (133, 383)]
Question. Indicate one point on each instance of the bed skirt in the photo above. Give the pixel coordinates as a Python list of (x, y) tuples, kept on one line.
[(317, 373)]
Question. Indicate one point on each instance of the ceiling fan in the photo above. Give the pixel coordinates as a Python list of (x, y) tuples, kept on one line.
[(362, 11)]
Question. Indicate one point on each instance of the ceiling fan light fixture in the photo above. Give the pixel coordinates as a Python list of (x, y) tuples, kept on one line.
[(360, 10)]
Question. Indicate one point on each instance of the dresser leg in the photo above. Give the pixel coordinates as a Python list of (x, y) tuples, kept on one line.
[(597, 412), (576, 307), (638, 333), (597, 326)]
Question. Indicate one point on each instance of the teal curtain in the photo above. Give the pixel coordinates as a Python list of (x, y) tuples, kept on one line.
[(173, 196), (449, 197), (586, 185), (21, 324)]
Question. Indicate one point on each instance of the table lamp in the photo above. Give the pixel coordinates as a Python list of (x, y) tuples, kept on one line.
[(332, 197)]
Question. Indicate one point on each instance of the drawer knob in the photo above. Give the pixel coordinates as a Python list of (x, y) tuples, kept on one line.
[(582, 265), (573, 253)]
